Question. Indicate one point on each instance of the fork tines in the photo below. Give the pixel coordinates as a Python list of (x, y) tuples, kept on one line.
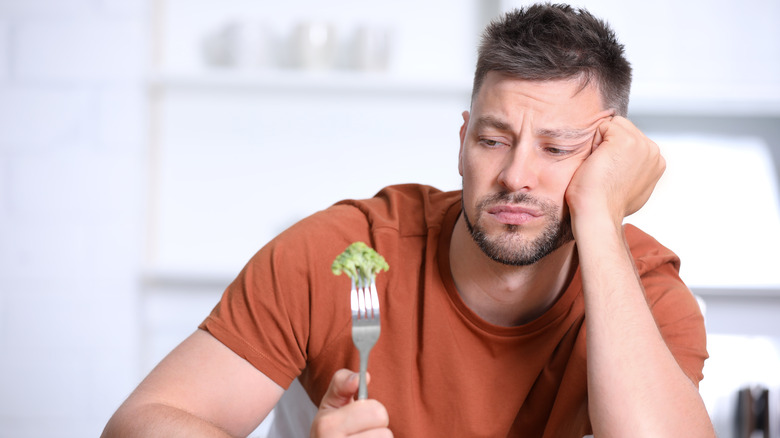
[(364, 299)]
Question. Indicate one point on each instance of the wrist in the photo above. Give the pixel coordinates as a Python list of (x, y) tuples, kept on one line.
[(595, 222)]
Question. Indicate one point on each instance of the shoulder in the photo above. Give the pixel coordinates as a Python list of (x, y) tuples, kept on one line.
[(658, 268), (648, 253), (659, 271), (410, 209)]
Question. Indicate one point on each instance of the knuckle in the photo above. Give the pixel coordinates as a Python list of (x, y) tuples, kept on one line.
[(324, 424), (341, 375), (379, 413)]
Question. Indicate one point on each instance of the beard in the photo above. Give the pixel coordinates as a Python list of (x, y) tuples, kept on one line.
[(510, 247)]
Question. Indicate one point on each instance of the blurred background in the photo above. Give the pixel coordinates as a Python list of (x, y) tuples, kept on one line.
[(149, 147)]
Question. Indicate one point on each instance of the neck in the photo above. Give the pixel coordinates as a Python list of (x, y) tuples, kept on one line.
[(507, 295)]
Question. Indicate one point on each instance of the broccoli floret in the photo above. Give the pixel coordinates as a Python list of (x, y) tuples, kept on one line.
[(359, 261)]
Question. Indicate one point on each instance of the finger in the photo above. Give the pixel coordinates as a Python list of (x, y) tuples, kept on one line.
[(374, 433), (363, 415), (606, 125), (359, 418), (598, 126), (618, 124), (342, 389), (598, 137), (616, 127)]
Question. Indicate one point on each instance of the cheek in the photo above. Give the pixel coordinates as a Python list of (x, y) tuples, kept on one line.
[(473, 184), (478, 166), (477, 182), (468, 171), (556, 179)]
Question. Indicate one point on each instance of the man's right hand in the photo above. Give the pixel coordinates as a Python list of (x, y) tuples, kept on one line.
[(340, 415)]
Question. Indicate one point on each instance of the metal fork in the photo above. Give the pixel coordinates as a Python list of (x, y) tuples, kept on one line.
[(365, 324)]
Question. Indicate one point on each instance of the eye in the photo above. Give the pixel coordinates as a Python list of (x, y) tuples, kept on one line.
[(491, 143), (553, 150), (563, 150)]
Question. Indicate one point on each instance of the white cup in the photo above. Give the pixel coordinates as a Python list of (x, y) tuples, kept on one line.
[(372, 46), (242, 44), (315, 45)]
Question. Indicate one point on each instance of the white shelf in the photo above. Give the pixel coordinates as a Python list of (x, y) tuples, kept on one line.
[(741, 293), (646, 99), (183, 278), (311, 81)]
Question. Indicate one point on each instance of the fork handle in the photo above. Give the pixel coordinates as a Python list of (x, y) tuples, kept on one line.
[(362, 390)]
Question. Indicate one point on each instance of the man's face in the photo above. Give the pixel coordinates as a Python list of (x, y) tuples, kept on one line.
[(520, 146)]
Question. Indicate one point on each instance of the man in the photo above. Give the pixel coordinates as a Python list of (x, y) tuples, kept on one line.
[(519, 307)]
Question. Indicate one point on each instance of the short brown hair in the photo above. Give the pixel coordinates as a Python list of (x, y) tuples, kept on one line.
[(556, 41)]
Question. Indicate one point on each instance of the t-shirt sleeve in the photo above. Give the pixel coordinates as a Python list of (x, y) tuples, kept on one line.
[(266, 314), (675, 309), (680, 321)]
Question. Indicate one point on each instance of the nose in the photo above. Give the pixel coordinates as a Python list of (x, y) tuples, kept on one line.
[(520, 172)]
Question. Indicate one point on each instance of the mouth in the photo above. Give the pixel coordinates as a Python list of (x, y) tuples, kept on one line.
[(514, 214)]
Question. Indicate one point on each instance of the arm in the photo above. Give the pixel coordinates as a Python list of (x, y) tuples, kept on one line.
[(635, 385), (204, 389), (201, 388)]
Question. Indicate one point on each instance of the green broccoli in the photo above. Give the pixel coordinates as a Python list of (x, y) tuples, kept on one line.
[(359, 261)]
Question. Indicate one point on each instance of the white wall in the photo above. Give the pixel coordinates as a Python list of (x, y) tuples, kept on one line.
[(73, 150)]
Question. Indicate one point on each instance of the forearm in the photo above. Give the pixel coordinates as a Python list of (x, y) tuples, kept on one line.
[(635, 386), (202, 388), (159, 420)]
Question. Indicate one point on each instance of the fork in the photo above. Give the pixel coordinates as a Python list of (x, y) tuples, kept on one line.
[(365, 323)]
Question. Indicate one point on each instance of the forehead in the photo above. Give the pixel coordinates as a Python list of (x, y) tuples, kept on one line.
[(564, 100)]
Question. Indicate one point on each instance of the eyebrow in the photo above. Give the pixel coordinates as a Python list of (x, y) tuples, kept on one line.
[(555, 133), (493, 122), (563, 133)]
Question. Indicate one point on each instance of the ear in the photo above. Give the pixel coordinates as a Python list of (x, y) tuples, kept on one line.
[(463, 129)]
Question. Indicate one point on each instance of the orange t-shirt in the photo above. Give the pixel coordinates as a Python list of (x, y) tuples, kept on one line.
[(438, 367)]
